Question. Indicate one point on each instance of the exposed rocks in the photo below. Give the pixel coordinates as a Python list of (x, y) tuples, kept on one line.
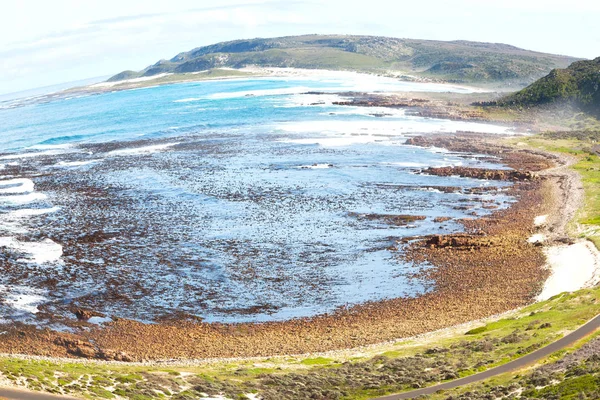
[(76, 347), (480, 173), (113, 355), (84, 349), (518, 159), (390, 219), (459, 241), (415, 106), (446, 189), (84, 315)]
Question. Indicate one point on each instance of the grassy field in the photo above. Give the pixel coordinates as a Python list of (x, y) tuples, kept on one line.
[(358, 374)]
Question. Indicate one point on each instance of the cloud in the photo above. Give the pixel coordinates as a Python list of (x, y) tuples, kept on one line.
[(249, 14), (539, 6), (70, 40), (108, 45)]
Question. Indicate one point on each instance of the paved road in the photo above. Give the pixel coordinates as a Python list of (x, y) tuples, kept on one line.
[(519, 363), (19, 394)]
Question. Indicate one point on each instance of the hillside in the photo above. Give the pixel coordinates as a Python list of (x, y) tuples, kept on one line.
[(578, 85), (456, 61)]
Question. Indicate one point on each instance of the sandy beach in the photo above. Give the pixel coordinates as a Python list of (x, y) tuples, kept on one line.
[(573, 267)]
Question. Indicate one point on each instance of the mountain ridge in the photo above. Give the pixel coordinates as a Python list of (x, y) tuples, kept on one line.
[(458, 61)]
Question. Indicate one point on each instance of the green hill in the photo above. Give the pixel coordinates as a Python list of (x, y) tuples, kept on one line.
[(456, 61), (578, 85)]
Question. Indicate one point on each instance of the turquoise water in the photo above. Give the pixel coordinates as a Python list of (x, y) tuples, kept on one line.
[(237, 200), (173, 110)]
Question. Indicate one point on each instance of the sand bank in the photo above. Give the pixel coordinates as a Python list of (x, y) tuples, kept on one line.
[(575, 266)]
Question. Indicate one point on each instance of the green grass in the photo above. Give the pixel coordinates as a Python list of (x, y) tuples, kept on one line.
[(569, 389), (475, 331), (567, 385), (317, 361), (576, 85)]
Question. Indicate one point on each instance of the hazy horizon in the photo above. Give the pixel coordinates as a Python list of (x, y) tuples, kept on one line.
[(67, 41)]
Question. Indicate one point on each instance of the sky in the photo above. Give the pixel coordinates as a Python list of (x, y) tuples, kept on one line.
[(46, 42)]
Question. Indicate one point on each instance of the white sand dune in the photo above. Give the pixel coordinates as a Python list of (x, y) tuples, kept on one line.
[(574, 267), (133, 80)]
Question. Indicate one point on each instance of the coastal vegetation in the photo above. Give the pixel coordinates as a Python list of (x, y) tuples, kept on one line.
[(573, 373), (455, 61), (577, 86)]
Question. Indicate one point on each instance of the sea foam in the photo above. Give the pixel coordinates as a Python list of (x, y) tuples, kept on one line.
[(46, 251), (22, 298), (141, 150)]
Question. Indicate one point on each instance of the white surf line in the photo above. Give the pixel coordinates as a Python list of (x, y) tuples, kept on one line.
[(260, 92), (11, 221), (68, 164), (142, 150), (20, 191), (22, 199), (575, 266), (51, 152), (29, 212), (43, 252), (18, 185), (315, 166)]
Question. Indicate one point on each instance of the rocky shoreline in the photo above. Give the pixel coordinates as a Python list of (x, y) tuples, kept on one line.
[(489, 269)]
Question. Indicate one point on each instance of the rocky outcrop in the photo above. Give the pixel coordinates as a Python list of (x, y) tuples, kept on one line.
[(390, 219), (481, 173), (84, 315), (83, 349), (458, 241)]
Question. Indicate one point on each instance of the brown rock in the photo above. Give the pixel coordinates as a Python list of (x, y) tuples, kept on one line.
[(84, 315)]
